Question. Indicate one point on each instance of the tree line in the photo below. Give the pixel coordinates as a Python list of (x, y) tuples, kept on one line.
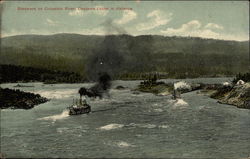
[(12, 73)]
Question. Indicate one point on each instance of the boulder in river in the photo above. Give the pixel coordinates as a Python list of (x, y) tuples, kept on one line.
[(120, 87), (16, 99)]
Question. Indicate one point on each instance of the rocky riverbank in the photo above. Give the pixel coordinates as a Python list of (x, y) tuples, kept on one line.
[(157, 88), (161, 88), (238, 95), (232, 94), (16, 99)]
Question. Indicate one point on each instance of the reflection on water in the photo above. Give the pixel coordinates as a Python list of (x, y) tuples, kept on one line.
[(126, 125)]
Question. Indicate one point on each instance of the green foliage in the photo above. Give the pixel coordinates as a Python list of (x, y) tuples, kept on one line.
[(173, 57), (11, 73), (221, 92), (245, 77)]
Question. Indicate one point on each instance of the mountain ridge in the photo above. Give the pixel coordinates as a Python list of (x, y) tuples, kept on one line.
[(56, 34), (143, 53)]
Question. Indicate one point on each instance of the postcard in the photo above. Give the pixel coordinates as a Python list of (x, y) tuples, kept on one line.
[(125, 79)]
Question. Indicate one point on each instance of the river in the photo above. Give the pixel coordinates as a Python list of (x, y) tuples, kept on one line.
[(125, 125)]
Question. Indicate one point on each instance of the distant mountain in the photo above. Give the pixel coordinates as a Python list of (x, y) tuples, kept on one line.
[(76, 43), (71, 52)]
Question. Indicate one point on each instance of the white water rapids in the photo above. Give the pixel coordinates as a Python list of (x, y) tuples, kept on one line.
[(126, 125)]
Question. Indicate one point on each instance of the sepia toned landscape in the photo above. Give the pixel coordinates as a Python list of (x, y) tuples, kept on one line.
[(137, 79)]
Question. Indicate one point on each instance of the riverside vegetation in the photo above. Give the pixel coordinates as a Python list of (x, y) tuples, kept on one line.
[(171, 57), (237, 94), (234, 94), (12, 73), (63, 58)]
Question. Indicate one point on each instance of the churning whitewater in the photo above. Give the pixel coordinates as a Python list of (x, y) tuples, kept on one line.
[(63, 115), (125, 124)]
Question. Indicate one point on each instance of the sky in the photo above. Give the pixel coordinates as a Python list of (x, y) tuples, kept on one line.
[(228, 20)]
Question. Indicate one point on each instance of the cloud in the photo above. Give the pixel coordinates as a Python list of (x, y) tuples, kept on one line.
[(93, 31), (14, 32), (193, 28), (211, 30), (111, 29), (213, 26), (108, 27), (51, 22), (10, 33), (189, 28), (127, 16), (237, 37), (98, 10), (157, 18)]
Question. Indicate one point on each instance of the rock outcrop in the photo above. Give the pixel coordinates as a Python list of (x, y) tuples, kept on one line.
[(161, 88), (16, 99), (239, 95), (157, 88), (120, 87)]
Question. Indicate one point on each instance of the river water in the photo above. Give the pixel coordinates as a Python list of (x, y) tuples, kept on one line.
[(126, 125)]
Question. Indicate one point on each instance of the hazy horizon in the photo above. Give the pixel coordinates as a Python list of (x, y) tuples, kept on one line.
[(174, 36), (222, 20)]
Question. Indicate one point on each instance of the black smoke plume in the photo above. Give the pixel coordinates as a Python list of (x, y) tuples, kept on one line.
[(108, 57), (105, 62), (99, 89)]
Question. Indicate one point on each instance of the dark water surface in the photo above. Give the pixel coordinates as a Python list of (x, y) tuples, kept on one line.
[(126, 125)]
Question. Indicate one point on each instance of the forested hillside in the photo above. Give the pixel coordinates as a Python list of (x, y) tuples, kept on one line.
[(177, 57), (11, 73)]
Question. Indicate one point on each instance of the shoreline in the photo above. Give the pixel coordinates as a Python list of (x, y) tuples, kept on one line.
[(137, 79), (237, 95), (17, 99)]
